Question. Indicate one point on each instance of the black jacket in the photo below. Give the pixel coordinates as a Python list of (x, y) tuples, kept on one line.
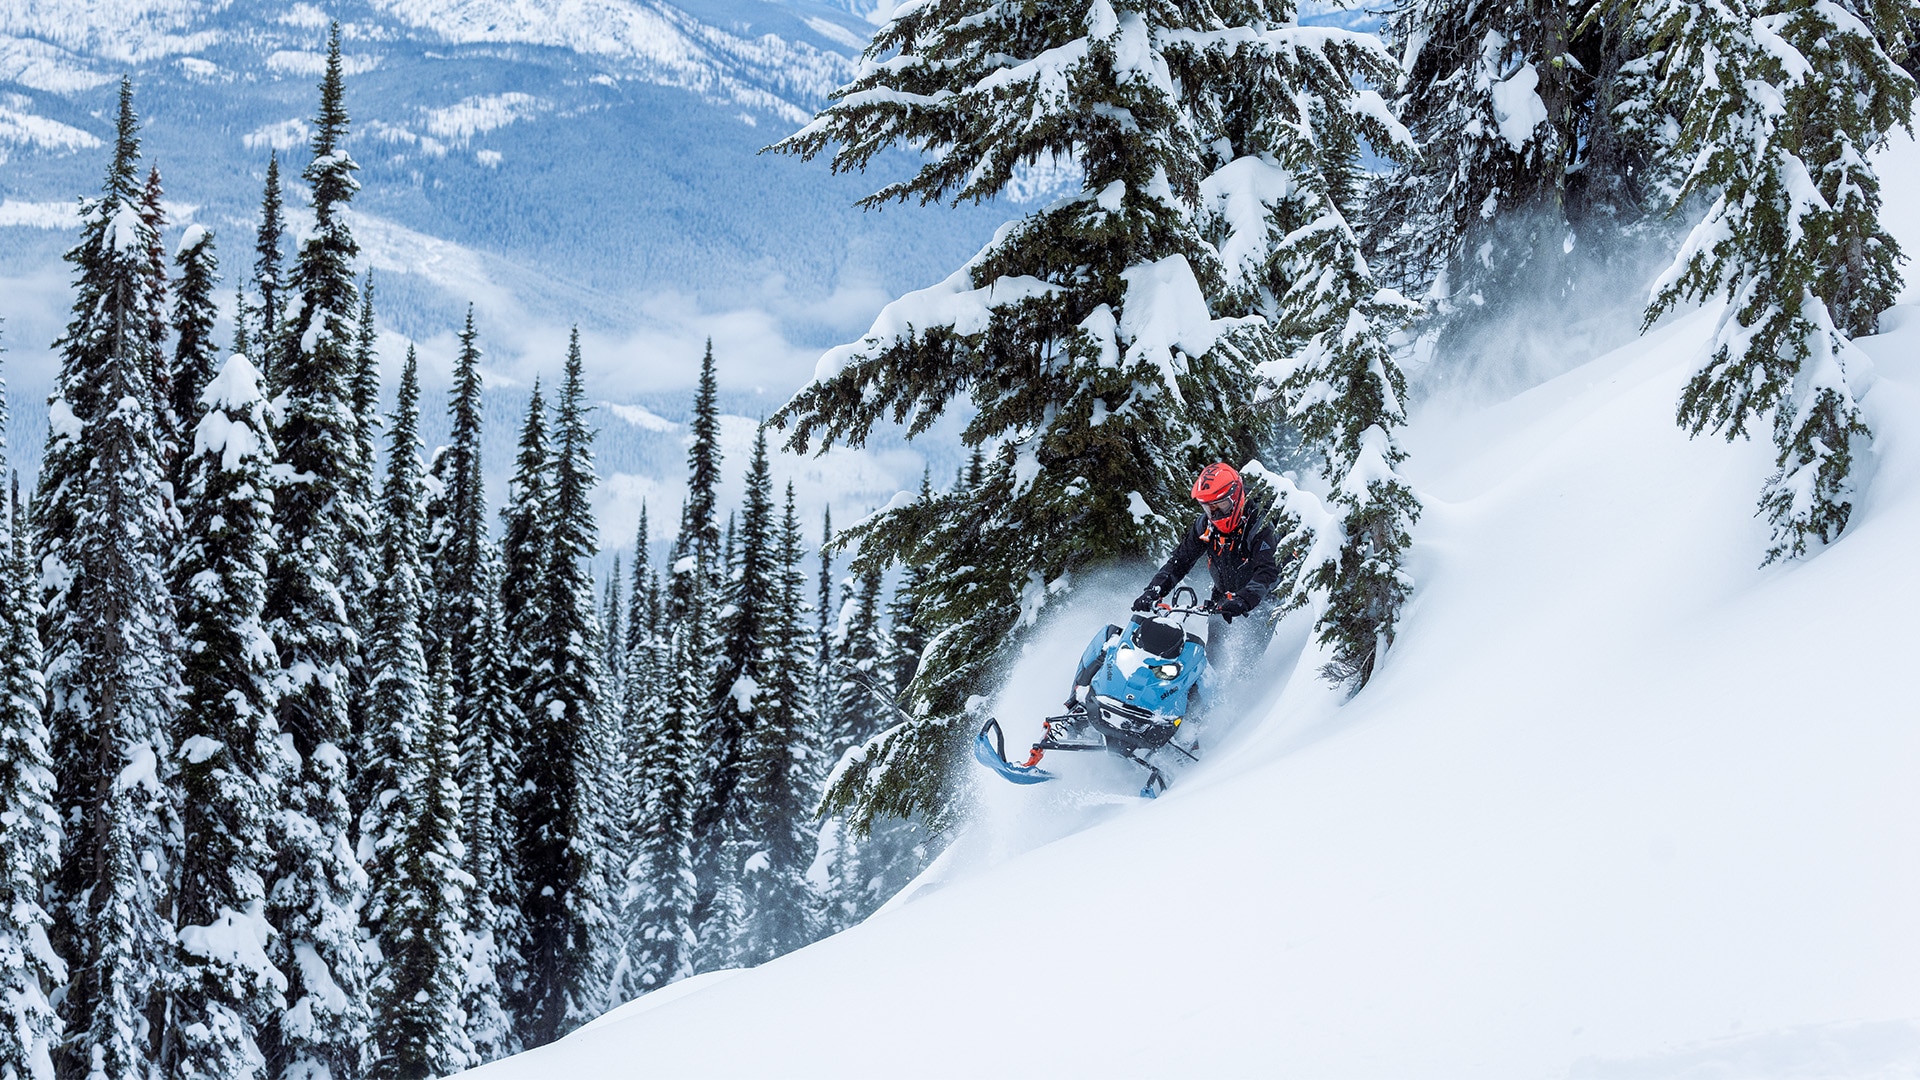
[(1242, 562)]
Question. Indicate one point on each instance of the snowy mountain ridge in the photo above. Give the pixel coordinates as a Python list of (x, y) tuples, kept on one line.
[(60, 48)]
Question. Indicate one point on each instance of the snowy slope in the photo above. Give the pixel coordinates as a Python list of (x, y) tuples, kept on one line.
[(1620, 805)]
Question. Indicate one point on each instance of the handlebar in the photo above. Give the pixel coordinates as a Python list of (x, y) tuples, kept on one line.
[(1203, 609)]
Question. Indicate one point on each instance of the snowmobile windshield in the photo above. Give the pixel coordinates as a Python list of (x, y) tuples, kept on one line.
[(1163, 639)]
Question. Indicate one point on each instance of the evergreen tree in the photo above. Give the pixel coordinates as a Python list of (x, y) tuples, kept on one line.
[(664, 717), (1538, 160), (726, 814), (267, 265), (908, 636), (495, 930), (242, 343), (703, 471), (868, 860), (778, 773), (420, 1027), (233, 768), (561, 824), (397, 714), (193, 350), (109, 638), (316, 899), (456, 527), (359, 541), (613, 637), (159, 371), (643, 615), (825, 679), (30, 973), (525, 549), (1786, 103), (463, 631), (1292, 151), (456, 541), (1082, 333), (861, 650)]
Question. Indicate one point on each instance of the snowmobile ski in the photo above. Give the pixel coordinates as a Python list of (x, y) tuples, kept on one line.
[(990, 749)]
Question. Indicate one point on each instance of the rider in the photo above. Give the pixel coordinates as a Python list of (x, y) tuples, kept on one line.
[(1239, 547), (1240, 555)]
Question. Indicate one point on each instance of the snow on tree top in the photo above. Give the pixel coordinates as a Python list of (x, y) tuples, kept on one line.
[(195, 235), (228, 430), (235, 386), (126, 233)]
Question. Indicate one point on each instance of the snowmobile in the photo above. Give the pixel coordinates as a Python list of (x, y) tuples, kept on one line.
[(1137, 685)]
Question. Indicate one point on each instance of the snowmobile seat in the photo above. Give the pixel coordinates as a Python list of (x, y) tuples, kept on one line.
[(1159, 638)]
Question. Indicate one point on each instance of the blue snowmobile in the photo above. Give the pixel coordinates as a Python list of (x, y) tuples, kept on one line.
[(1136, 685)]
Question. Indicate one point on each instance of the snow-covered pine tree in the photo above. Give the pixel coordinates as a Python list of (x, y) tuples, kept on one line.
[(1623, 181), (315, 901), (359, 542), (30, 973), (420, 1030), (366, 380), (1539, 160), (867, 861), (613, 635), (703, 473), (109, 636), (824, 617), (397, 675), (1488, 92), (233, 768), (1279, 206), (268, 268), (664, 716), (907, 635), (611, 792), (778, 775), (193, 350), (722, 826), (242, 343), (1081, 333), (525, 550), (159, 372), (491, 765), (1787, 102), (456, 540), (463, 630), (730, 557), (860, 650), (561, 822), (643, 598)]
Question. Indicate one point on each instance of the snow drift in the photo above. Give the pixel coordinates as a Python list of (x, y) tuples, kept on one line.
[(1619, 805)]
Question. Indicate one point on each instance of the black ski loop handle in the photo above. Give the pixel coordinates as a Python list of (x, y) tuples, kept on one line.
[(999, 737)]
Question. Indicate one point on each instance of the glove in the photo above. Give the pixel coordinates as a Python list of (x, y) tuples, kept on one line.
[(1144, 602), (1232, 608)]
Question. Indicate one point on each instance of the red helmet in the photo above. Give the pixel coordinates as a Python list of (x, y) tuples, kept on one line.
[(1219, 490)]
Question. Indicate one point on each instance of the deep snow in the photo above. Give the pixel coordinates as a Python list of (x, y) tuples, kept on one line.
[(1619, 804)]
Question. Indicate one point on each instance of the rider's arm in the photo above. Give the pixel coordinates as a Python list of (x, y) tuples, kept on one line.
[(1264, 571), (1182, 560)]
